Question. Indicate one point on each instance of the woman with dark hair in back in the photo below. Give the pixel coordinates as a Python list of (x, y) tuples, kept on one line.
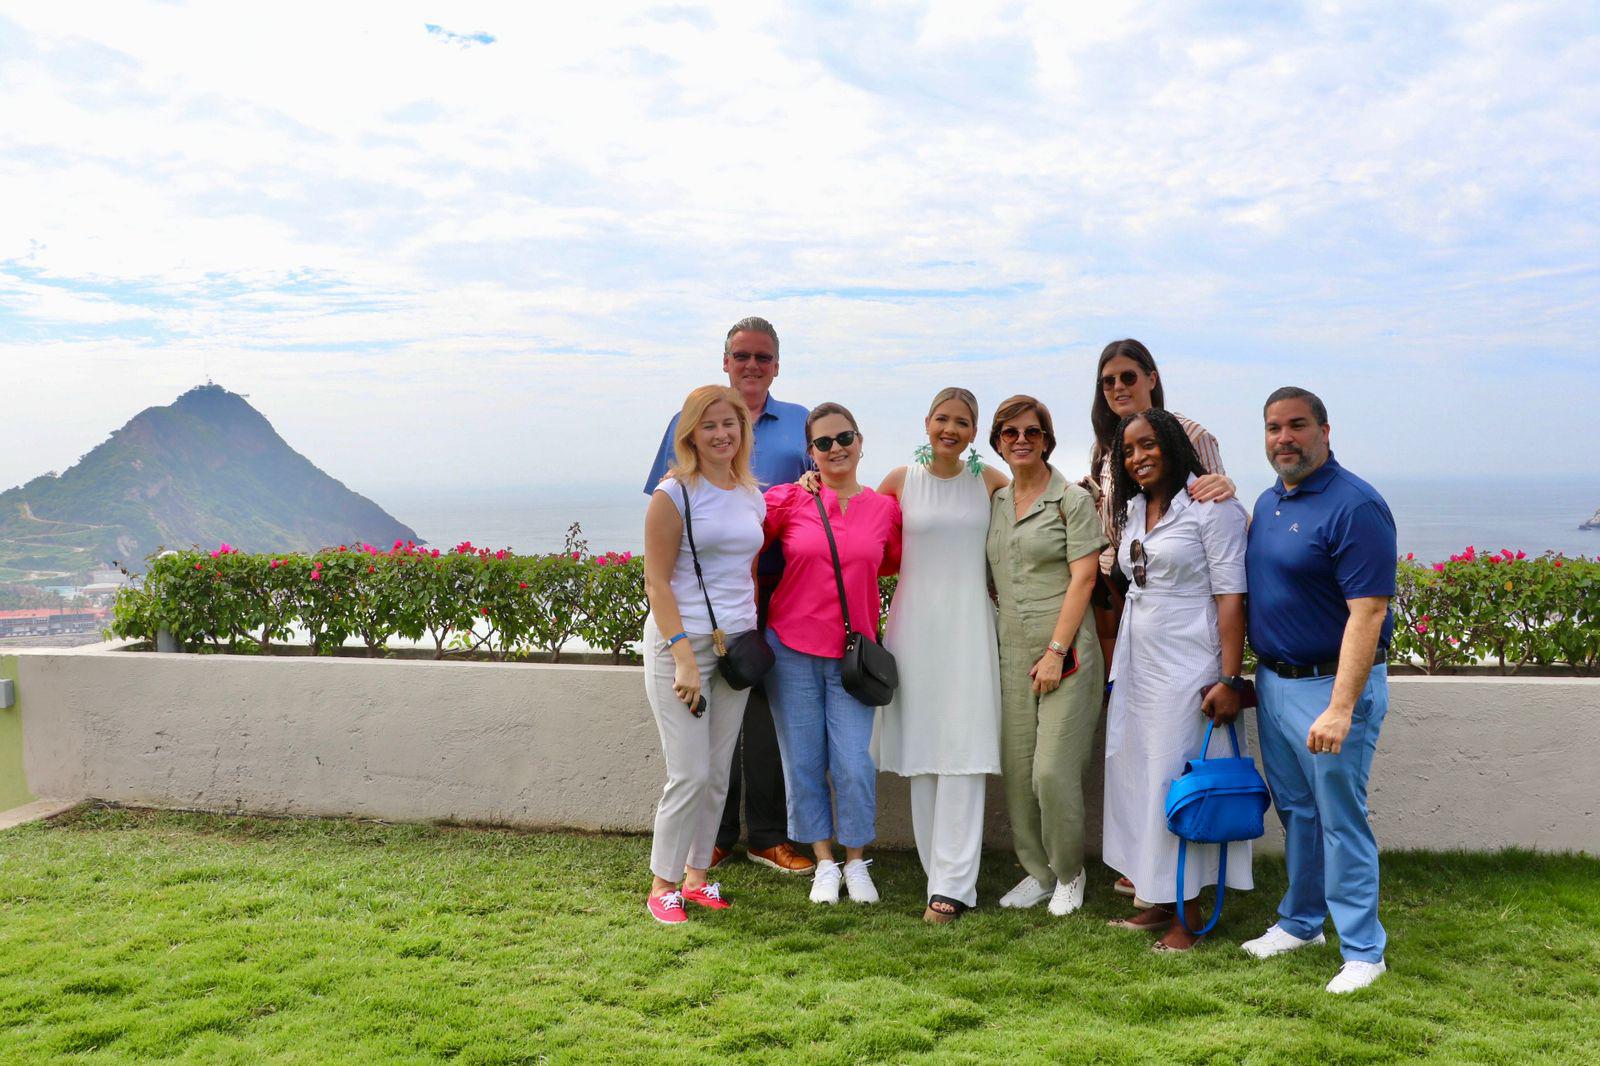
[(1126, 383), (1179, 651)]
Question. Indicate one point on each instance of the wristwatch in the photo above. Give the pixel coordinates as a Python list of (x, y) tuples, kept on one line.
[(1234, 682), (1059, 648)]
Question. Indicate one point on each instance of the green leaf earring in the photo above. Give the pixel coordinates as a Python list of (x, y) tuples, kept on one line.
[(923, 454), (975, 462)]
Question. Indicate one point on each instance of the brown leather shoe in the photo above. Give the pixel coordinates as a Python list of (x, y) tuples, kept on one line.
[(718, 857), (784, 859)]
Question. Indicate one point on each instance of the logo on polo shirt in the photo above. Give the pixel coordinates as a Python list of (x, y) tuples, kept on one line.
[(1294, 527)]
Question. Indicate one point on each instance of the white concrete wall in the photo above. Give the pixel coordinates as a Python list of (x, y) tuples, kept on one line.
[(1468, 762)]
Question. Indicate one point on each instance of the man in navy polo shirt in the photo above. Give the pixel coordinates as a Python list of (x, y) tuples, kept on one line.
[(1321, 569), (780, 455)]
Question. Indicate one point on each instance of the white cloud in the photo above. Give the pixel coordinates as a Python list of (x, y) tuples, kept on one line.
[(502, 260)]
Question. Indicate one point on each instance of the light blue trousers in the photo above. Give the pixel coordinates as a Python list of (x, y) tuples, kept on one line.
[(1322, 801), (823, 733)]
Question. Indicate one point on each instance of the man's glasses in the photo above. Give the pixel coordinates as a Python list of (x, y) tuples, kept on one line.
[(1127, 377), (1011, 433), (845, 439), (764, 358), (1136, 556)]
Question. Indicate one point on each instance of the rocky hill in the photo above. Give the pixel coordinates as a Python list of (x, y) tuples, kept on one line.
[(206, 469)]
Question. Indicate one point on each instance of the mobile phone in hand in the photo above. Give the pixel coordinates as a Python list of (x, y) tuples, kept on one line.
[(699, 707)]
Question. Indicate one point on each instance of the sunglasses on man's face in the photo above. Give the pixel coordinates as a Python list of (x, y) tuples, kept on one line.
[(1011, 433), (1136, 556), (763, 358), (845, 439), (1128, 378)]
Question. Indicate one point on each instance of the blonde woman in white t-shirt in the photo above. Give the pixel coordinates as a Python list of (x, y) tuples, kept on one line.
[(697, 712)]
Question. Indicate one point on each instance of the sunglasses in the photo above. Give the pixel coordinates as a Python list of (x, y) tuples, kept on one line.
[(1011, 433), (1137, 557), (845, 439), (1127, 377), (764, 358)]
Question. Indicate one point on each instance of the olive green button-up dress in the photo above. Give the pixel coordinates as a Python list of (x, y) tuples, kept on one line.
[(1045, 741)]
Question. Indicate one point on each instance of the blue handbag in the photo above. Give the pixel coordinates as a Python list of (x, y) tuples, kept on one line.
[(1216, 801)]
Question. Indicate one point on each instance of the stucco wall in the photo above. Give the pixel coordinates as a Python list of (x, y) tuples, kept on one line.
[(13, 785), (1463, 762)]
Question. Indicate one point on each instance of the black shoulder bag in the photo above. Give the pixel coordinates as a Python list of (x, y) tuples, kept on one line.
[(745, 659), (868, 669)]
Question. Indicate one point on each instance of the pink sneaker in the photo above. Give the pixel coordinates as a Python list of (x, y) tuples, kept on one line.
[(707, 896), (667, 908)]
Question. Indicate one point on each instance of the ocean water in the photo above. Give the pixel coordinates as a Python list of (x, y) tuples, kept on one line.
[(1435, 517)]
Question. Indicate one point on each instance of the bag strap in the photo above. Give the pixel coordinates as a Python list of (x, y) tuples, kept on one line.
[(717, 639), (838, 571), (1233, 735), (1222, 886)]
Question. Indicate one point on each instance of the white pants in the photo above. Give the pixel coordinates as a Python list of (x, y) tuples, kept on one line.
[(698, 753), (947, 820)]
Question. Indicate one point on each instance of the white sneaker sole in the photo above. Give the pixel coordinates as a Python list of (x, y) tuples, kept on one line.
[(809, 871), (1315, 942)]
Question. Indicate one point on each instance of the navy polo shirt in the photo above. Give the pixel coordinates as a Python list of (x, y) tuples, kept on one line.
[(779, 454), (1328, 540)]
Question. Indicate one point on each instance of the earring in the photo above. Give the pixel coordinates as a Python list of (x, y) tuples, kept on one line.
[(974, 462), (923, 454)]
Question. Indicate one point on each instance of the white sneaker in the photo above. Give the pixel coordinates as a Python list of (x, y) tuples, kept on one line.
[(825, 885), (1356, 975), (1028, 893), (1277, 941), (1068, 895), (858, 882)]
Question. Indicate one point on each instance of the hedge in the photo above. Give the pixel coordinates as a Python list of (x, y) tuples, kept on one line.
[(463, 601), (1506, 607)]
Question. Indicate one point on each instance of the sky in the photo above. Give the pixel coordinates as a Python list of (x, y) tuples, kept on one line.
[(478, 245)]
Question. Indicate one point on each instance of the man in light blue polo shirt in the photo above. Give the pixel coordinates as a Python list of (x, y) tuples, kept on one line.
[(750, 359), (1321, 569)]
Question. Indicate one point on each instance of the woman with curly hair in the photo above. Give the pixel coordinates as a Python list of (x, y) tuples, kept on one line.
[(1180, 645)]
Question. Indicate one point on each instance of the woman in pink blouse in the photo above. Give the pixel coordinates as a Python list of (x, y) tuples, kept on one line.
[(823, 731)]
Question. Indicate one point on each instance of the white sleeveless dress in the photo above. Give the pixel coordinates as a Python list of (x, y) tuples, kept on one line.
[(945, 716)]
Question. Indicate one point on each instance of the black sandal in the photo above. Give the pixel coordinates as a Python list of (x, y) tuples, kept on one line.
[(935, 915)]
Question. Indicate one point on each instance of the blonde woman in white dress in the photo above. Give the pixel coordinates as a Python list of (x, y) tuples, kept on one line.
[(942, 729)]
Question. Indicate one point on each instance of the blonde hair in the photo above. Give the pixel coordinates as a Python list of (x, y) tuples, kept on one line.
[(955, 392), (687, 468)]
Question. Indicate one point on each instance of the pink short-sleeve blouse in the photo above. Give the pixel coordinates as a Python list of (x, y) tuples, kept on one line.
[(805, 606)]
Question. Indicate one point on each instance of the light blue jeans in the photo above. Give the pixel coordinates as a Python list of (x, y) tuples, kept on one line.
[(1329, 847), (823, 732)]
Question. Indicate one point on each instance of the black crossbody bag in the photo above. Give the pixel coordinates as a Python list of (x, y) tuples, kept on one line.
[(745, 659), (868, 669)]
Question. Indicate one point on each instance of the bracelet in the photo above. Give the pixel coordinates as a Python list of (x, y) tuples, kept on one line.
[(1058, 647), (674, 639)]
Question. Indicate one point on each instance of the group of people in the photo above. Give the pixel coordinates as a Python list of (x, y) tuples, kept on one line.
[(1019, 593)]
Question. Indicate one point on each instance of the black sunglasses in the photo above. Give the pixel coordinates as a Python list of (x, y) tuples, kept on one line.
[(764, 358), (1137, 557), (1127, 377), (845, 439)]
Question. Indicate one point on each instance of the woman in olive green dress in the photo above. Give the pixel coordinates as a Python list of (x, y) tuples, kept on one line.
[(1044, 547)]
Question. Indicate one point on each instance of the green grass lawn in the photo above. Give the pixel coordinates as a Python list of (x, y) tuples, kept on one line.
[(130, 935)]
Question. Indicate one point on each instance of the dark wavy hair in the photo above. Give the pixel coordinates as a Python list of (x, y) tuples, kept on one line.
[(1103, 418), (1177, 454)]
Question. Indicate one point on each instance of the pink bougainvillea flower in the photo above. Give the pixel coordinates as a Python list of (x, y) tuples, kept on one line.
[(577, 555), (627, 557), (199, 566), (501, 554), (1421, 627), (436, 553), (1438, 568), (215, 554), (316, 575), (1522, 555), (1410, 557), (1506, 553)]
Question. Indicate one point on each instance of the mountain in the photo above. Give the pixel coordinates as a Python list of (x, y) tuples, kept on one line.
[(206, 469)]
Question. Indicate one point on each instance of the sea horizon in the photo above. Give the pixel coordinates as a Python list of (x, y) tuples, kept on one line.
[(1435, 517)]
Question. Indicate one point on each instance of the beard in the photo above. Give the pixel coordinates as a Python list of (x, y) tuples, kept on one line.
[(1294, 467)]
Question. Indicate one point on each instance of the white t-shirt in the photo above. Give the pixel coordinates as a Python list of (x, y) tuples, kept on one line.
[(727, 535)]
